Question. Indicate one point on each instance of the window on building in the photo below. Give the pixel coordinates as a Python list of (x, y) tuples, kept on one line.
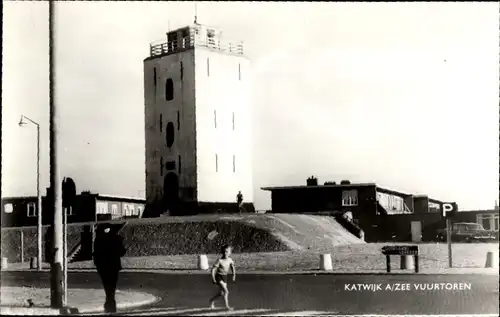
[(169, 89), (170, 165), (161, 166), (178, 120), (125, 210), (31, 210), (139, 211), (234, 163), (210, 37), (208, 66), (488, 221), (215, 118), (170, 134), (180, 164), (434, 207), (216, 163), (114, 209), (182, 72), (161, 123), (350, 197), (154, 77), (239, 71), (233, 121), (8, 208)]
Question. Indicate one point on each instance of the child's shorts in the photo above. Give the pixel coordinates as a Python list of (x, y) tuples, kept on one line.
[(219, 278)]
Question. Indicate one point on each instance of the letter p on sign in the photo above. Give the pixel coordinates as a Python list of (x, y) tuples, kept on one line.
[(449, 209)]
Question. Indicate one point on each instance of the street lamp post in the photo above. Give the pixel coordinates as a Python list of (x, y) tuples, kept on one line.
[(38, 194)]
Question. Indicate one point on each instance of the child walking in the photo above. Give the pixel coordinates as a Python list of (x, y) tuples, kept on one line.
[(220, 271)]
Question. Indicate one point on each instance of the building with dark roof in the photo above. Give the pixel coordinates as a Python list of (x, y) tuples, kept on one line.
[(367, 204), (88, 207), (382, 214)]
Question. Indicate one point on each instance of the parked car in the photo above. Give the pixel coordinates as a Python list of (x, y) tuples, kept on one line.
[(467, 232)]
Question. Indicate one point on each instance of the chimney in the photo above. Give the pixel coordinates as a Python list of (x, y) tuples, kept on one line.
[(312, 181)]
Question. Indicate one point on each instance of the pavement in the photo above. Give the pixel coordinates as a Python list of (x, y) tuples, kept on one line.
[(14, 300), (184, 294)]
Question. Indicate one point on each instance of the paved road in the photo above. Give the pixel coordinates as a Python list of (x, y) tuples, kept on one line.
[(183, 294)]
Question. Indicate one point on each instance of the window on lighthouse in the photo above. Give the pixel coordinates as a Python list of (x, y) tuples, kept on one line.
[(169, 130), (169, 89)]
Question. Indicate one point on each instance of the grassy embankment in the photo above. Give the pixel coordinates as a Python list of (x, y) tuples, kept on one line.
[(261, 242)]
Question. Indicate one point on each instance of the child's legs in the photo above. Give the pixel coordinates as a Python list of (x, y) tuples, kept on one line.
[(225, 293), (220, 292)]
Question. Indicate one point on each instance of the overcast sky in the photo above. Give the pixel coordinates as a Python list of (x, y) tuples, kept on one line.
[(401, 94)]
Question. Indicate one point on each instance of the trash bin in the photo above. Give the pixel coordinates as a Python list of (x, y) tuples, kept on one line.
[(5, 263)]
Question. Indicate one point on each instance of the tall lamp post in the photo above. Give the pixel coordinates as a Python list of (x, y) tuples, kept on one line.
[(24, 120)]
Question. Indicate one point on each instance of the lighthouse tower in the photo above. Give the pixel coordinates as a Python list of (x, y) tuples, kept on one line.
[(197, 123)]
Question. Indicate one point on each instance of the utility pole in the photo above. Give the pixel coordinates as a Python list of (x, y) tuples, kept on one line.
[(56, 287)]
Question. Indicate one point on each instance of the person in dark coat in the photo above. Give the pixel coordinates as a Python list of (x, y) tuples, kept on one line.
[(108, 250)]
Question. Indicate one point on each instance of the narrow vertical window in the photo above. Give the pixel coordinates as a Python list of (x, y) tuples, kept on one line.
[(169, 89), (216, 163), (239, 71), (234, 163), (233, 121), (170, 134), (208, 66), (180, 163), (178, 120), (182, 71), (215, 119), (154, 79), (161, 166), (161, 123)]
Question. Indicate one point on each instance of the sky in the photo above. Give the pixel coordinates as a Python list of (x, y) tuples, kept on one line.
[(402, 94)]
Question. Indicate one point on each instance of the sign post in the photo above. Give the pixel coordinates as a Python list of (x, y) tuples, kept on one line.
[(68, 199), (449, 210), (448, 240)]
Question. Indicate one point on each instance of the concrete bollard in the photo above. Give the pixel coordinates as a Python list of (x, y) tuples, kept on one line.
[(407, 262), (33, 263), (203, 262), (491, 260), (326, 262), (5, 263)]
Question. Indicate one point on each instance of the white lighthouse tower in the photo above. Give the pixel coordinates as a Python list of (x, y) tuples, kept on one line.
[(197, 123)]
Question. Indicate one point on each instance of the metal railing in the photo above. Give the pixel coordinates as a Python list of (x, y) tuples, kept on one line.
[(164, 48)]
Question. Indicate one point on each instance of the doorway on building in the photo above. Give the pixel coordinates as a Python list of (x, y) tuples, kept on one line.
[(416, 231), (170, 190)]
